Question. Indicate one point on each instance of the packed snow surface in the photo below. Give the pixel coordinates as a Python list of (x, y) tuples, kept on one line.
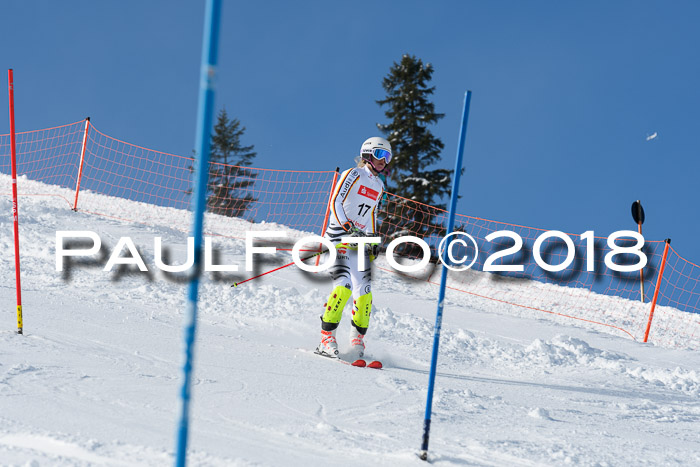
[(95, 379)]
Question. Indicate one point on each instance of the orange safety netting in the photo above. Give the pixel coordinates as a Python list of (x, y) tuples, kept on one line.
[(296, 199), (575, 292), (51, 156)]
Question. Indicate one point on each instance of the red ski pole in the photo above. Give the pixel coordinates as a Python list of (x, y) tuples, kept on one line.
[(236, 284)]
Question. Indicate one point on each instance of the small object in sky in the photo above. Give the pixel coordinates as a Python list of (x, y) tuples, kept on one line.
[(652, 136)]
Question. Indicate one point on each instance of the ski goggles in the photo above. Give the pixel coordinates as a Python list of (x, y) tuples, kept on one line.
[(379, 154)]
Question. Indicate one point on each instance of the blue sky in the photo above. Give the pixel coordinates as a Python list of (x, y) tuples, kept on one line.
[(564, 92)]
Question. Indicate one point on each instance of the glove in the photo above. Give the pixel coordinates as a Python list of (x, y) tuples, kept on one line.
[(372, 250), (352, 230)]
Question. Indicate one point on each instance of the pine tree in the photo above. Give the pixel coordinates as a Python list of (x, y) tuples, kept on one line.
[(415, 149), (229, 178)]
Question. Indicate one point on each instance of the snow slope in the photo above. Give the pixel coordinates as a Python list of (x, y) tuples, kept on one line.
[(95, 378)]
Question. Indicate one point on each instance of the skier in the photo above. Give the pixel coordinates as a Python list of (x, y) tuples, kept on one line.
[(353, 213)]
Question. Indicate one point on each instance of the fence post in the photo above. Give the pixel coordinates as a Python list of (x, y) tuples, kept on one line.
[(82, 159), (638, 216), (658, 286), (641, 271), (328, 212)]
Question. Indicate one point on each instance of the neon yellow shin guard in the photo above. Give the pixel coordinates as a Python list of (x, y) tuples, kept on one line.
[(363, 306), (336, 302)]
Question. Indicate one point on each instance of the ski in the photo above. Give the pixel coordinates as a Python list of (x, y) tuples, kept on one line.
[(376, 364), (360, 363)]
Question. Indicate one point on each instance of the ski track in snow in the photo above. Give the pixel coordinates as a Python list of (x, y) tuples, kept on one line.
[(95, 379)]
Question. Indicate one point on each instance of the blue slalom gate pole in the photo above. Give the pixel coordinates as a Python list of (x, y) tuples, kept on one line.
[(443, 278), (205, 114)]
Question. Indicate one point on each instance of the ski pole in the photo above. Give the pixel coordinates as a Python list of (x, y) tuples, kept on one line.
[(236, 284)]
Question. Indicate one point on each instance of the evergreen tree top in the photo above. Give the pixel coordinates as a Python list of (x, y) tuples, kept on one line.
[(226, 146), (415, 148)]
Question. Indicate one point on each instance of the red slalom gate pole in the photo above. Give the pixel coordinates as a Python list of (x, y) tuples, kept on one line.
[(15, 216)]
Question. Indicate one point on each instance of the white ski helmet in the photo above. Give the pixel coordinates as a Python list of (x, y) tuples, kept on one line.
[(376, 147)]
